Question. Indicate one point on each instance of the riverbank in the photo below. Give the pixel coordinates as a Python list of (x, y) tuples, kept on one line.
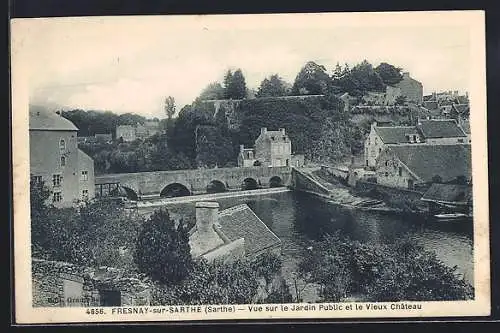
[(209, 196)]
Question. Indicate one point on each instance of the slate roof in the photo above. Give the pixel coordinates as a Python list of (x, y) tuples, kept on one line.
[(436, 128), (241, 222), (427, 161), (461, 108), (431, 105), (43, 119), (449, 193), (395, 134)]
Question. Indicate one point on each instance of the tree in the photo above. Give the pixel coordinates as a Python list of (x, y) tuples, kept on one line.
[(169, 107), (213, 90), (361, 79), (337, 72), (389, 74), (234, 85), (312, 79), (162, 249), (272, 87)]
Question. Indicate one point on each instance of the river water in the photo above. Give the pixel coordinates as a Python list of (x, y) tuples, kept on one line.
[(297, 218)]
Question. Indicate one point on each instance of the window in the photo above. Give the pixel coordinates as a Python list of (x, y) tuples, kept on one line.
[(387, 174), (85, 175), (36, 179), (461, 140), (379, 150), (386, 163), (57, 197), (400, 171), (63, 161), (85, 194), (62, 144), (56, 180), (376, 140)]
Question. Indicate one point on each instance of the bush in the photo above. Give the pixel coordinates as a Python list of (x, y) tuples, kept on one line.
[(162, 249), (381, 272)]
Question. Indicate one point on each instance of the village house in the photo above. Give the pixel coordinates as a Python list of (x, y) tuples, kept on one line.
[(56, 160), (410, 88), (428, 131), (230, 234), (140, 131), (272, 148), (419, 165)]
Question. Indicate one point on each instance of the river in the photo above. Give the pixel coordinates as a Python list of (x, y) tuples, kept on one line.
[(297, 218)]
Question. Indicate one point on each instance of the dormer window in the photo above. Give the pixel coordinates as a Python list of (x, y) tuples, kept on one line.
[(63, 161), (62, 145)]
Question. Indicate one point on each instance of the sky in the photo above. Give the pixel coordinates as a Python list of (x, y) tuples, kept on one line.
[(130, 64)]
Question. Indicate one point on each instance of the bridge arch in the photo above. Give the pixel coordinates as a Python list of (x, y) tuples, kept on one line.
[(175, 190), (216, 186), (275, 181), (249, 184)]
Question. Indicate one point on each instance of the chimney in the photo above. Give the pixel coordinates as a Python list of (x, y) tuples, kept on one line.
[(282, 130), (206, 215), (263, 130)]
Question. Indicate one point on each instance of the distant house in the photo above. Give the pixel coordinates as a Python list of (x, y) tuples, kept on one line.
[(233, 233), (138, 131), (411, 165), (430, 131), (410, 88), (56, 160), (126, 133), (272, 148), (104, 137)]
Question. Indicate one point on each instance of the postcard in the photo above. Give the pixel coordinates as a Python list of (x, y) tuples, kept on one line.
[(266, 166)]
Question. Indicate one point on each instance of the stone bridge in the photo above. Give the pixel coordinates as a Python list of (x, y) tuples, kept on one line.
[(187, 182)]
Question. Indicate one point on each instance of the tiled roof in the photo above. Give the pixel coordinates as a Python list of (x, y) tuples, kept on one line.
[(427, 161), (436, 128), (396, 134), (449, 193), (431, 105), (241, 222), (43, 119), (461, 108)]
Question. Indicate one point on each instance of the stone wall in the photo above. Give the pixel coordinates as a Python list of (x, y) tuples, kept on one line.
[(406, 200), (61, 284), (302, 182)]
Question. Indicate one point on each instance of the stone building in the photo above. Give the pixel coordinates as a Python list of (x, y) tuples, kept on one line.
[(429, 131), (138, 131), (230, 234), (125, 132), (412, 89), (272, 148), (418, 165), (56, 160)]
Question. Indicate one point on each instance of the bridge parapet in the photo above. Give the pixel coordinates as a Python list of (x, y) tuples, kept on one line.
[(196, 180)]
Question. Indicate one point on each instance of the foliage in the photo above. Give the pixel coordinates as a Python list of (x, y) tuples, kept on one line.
[(96, 234), (91, 122), (162, 249), (272, 87), (235, 282), (169, 107), (312, 79), (400, 100), (389, 74), (361, 79), (381, 272), (213, 90), (234, 85)]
